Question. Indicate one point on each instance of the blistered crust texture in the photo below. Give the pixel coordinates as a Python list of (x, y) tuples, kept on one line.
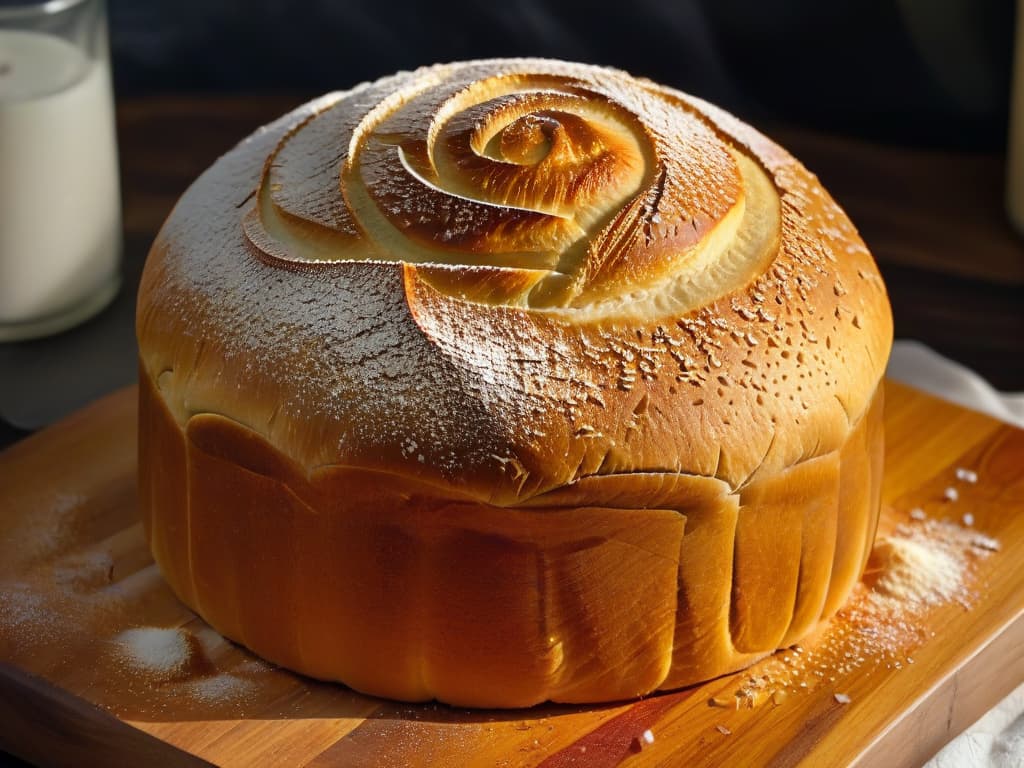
[(513, 288)]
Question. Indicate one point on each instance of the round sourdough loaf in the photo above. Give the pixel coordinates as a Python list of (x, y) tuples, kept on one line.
[(506, 381)]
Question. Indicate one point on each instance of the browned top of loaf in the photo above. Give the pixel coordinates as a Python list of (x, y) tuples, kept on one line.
[(500, 277)]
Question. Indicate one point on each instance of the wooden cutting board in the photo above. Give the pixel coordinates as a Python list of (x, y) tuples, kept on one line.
[(76, 578)]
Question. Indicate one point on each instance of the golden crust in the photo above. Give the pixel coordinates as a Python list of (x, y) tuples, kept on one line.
[(507, 282), (401, 589)]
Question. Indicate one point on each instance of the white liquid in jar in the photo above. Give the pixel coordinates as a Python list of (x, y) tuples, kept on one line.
[(60, 228)]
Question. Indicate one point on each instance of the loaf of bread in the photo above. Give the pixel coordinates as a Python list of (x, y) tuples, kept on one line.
[(510, 381)]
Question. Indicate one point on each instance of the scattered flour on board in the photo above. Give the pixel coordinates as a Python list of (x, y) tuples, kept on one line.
[(84, 573), (220, 688), (163, 653), (916, 567), (174, 660), (925, 564), (45, 535), (914, 572), (26, 614), (42, 580)]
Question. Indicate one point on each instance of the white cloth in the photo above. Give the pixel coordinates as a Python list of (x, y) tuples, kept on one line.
[(917, 365), (997, 739)]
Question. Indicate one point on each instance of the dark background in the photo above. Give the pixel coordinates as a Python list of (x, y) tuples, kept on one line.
[(924, 72)]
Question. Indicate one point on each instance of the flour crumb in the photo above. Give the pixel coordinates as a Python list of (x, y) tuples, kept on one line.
[(163, 654), (917, 571), (966, 475), (220, 689), (987, 543)]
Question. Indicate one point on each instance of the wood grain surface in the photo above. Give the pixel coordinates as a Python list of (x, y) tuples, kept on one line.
[(75, 575)]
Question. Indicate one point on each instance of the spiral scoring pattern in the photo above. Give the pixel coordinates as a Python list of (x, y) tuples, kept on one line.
[(537, 184)]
